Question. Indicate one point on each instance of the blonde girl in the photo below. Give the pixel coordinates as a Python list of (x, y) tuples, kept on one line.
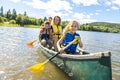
[(69, 34)]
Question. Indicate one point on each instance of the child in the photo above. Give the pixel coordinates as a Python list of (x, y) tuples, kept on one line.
[(56, 31), (50, 20), (45, 35), (69, 34)]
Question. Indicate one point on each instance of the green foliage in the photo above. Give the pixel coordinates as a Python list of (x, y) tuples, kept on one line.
[(64, 23), (1, 11), (12, 22), (1, 19), (101, 26), (20, 19), (14, 19)]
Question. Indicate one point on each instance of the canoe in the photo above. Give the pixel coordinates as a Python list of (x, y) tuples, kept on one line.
[(93, 66)]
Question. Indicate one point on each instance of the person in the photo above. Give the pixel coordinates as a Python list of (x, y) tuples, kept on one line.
[(56, 30), (45, 35), (69, 34), (50, 20)]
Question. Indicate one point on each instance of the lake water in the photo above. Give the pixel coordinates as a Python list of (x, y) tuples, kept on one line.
[(16, 57)]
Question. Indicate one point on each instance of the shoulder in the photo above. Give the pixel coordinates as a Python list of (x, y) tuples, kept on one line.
[(77, 34)]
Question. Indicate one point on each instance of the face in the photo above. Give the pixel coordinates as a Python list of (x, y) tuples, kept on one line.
[(47, 25), (57, 20), (50, 20), (74, 27)]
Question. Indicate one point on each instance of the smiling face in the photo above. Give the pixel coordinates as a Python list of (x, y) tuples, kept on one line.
[(57, 20), (74, 27), (47, 24)]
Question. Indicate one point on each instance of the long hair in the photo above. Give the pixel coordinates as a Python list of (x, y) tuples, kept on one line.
[(67, 28), (59, 19)]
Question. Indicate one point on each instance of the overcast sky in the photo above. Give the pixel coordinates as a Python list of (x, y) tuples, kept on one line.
[(81, 10)]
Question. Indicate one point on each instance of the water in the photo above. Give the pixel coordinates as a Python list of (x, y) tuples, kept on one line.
[(16, 57)]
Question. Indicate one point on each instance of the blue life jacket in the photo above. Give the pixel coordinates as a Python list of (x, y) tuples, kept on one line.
[(68, 38)]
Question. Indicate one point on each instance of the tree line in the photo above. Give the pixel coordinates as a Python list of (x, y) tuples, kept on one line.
[(101, 27), (12, 17)]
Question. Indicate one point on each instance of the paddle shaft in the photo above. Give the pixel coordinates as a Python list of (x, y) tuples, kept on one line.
[(63, 49)]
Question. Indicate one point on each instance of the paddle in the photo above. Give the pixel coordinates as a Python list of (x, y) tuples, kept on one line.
[(39, 68), (30, 44)]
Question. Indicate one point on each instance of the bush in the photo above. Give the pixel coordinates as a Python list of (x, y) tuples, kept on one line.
[(1, 19), (12, 22)]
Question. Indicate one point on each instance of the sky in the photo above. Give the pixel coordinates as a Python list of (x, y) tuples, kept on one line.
[(84, 11)]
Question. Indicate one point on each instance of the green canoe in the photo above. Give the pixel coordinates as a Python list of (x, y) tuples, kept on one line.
[(94, 66)]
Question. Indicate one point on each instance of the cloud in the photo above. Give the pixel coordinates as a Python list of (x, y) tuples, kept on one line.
[(86, 2), (54, 13), (114, 8), (108, 3), (83, 18), (15, 1), (117, 2), (52, 5), (114, 5)]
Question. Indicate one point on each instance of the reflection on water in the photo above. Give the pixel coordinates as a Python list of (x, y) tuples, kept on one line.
[(16, 57)]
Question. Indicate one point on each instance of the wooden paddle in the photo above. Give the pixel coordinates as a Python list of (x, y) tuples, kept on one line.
[(30, 44), (39, 68)]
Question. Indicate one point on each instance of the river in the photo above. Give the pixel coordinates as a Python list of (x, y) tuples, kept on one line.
[(16, 56)]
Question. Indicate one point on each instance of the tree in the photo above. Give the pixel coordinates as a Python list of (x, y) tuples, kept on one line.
[(25, 14), (12, 22), (14, 14), (8, 15), (45, 18), (1, 11), (1, 19)]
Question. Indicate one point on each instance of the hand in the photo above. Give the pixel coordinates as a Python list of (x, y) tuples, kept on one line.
[(61, 50)]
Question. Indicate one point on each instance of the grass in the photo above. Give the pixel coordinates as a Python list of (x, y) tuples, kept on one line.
[(16, 25), (10, 25), (32, 26)]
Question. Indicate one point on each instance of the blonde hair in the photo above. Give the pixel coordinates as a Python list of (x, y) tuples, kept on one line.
[(67, 28)]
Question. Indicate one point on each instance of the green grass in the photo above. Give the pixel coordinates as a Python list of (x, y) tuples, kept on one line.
[(32, 26), (10, 25), (16, 25)]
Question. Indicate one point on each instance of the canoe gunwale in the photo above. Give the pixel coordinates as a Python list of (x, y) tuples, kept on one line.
[(97, 55)]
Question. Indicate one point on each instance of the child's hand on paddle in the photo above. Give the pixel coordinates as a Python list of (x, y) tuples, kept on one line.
[(61, 50)]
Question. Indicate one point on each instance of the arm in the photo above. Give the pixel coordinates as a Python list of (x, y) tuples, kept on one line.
[(39, 37), (80, 42), (59, 42)]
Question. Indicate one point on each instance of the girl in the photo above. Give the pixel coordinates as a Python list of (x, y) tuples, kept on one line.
[(56, 31), (69, 34)]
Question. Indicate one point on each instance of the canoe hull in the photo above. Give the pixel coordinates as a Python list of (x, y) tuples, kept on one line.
[(84, 67)]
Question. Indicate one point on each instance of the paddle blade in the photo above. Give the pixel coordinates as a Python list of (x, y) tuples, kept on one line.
[(37, 68), (30, 44)]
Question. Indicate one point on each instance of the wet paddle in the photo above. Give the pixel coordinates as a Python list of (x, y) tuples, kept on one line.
[(30, 44), (39, 68)]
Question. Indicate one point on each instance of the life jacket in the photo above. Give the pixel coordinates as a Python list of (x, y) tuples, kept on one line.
[(57, 31), (45, 33), (68, 38)]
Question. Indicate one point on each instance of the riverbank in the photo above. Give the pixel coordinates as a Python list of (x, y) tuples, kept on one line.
[(17, 25), (8, 24)]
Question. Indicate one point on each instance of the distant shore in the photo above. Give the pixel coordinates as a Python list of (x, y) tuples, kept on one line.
[(16, 25)]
